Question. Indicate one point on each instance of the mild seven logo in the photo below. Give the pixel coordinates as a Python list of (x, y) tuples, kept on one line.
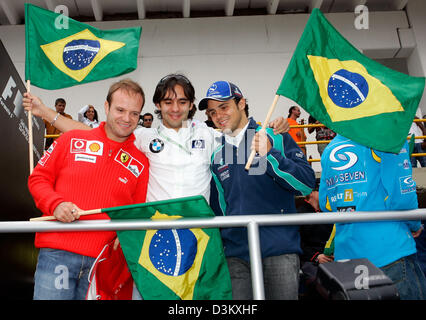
[(343, 159), (407, 184)]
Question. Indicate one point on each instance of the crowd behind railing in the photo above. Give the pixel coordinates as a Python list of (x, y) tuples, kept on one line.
[(314, 142)]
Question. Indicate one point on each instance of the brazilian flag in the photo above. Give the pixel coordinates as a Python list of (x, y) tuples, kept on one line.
[(348, 92), (62, 52), (172, 264)]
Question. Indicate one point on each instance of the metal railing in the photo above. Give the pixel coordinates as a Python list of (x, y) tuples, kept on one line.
[(303, 143), (251, 222)]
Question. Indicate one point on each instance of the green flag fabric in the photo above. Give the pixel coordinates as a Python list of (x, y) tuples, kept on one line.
[(347, 91), (62, 52), (172, 264)]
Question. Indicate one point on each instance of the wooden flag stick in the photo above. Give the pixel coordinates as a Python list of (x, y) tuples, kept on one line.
[(30, 133), (268, 117), (82, 213)]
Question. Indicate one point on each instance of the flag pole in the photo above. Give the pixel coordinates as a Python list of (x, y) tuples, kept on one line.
[(82, 213), (30, 133), (268, 116)]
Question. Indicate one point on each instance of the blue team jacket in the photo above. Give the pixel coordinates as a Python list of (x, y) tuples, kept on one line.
[(267, 188), (357, 178)]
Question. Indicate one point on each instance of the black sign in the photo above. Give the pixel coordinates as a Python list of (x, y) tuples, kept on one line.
[(16, 202), (17, 251)]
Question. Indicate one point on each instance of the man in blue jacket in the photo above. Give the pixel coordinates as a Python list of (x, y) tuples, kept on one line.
[(279, 171), (357, 178)]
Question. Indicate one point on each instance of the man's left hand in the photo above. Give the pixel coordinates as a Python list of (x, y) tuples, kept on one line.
[(261, 143)]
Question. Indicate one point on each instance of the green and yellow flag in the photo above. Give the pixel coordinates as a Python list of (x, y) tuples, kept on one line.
[(62, 52), (171, 264), (348, 92)]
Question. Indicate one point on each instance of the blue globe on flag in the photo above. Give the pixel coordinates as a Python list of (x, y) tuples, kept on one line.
[(79, 53), (173, 252), (347, 89)]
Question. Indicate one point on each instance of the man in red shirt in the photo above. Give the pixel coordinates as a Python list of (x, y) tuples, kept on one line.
[(83, 170)]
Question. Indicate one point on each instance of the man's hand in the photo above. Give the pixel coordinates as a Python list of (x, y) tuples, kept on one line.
[(33, 104), (116, 244), (280, 125), (322, 258), (39, 109), (261, 143), (417, 233), (66, 212)]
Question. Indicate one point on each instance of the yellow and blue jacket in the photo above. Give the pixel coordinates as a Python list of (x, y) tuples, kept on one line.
[(357, 178)]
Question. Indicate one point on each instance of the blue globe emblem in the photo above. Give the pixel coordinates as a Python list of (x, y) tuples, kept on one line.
[(78, 54), (172, 252), (347, 89)]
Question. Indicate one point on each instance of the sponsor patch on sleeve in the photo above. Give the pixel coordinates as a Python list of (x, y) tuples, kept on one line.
[(52, 147), (46, 156), (43, 160)]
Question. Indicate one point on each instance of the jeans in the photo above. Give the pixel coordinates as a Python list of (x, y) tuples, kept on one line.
[(422, 160), (407, 277), (280, 276), (61, 275)]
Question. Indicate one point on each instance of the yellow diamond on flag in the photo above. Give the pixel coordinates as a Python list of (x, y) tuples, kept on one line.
[(349, 92), (79, 53), (174, 256)]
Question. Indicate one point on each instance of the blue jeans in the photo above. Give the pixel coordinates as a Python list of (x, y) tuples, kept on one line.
[(61, 275), (280, 276), (422, 160), (407, 277)]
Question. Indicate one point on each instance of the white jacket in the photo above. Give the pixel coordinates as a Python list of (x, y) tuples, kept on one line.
[(179, 160)]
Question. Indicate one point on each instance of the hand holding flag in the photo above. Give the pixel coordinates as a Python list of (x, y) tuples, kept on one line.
[(348, 92), (63, 57), (172, 263)]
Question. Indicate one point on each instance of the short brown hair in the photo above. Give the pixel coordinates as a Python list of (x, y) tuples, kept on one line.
[(129, 86)]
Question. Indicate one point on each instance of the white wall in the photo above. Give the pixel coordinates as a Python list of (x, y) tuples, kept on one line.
[(253, 52), (416, 11)]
